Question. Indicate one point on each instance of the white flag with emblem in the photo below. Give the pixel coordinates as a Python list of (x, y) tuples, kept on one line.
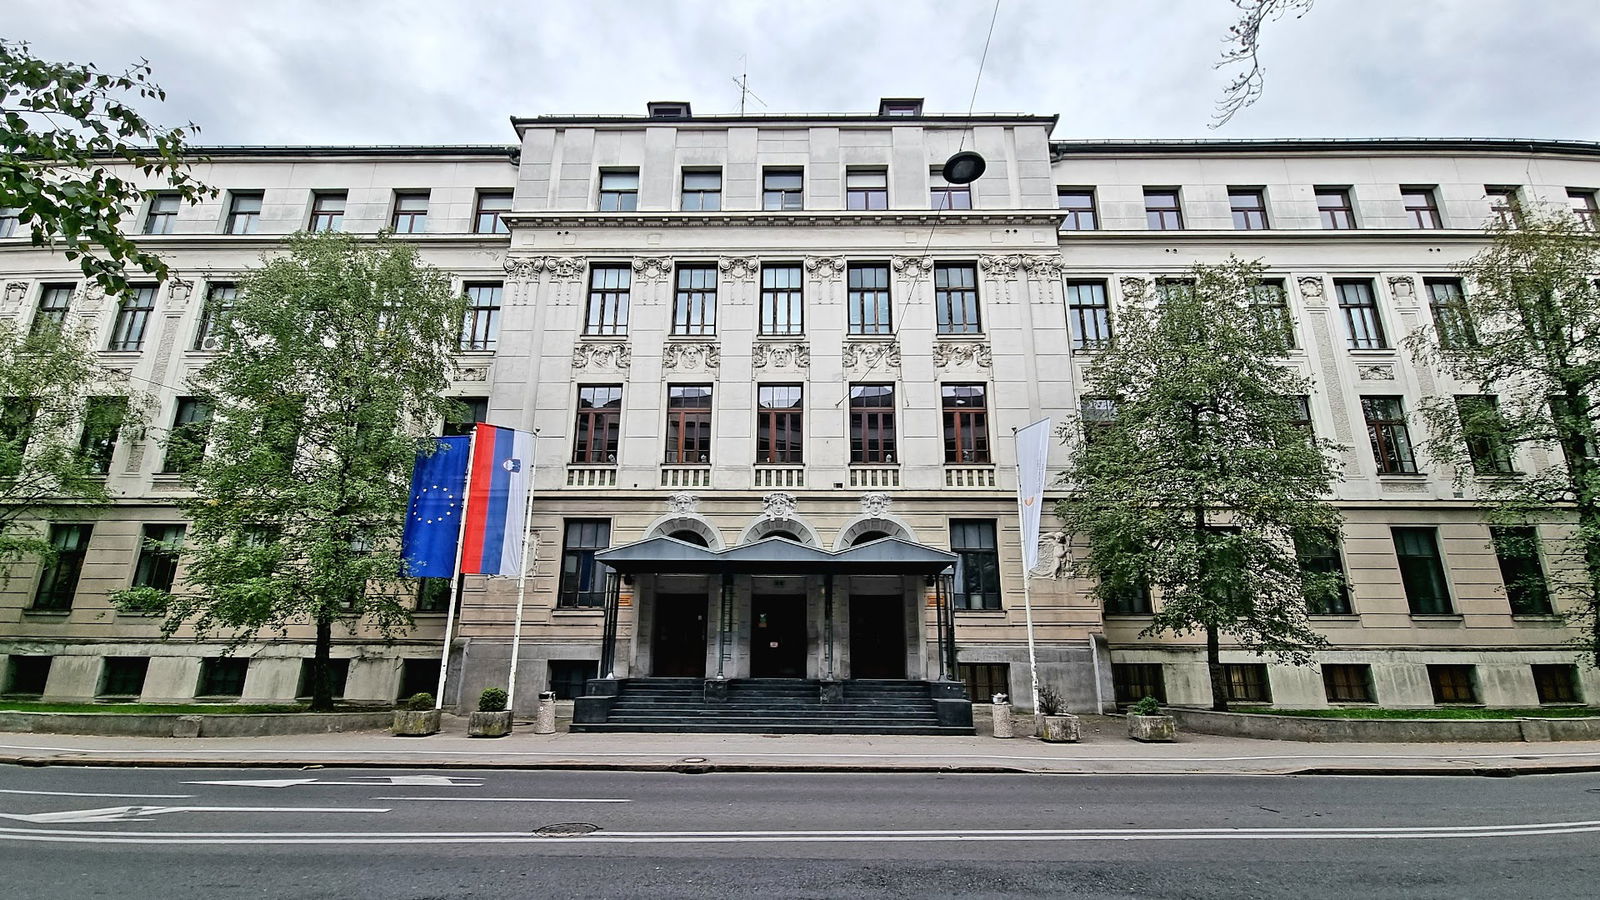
[(1033, 446)]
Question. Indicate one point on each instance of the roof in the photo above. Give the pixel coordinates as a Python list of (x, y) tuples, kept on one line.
[(1061, 149), (797, 120), (775, 556)]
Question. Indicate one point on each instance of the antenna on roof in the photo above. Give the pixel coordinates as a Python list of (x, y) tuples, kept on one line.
[(743, 81)]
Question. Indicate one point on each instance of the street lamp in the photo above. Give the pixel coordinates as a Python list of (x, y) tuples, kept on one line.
[(964, 167)]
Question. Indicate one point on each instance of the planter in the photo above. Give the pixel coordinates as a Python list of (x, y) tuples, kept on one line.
[(1003, 726), (1152, 729), (1059, 729), (489, 724), (416, 722)]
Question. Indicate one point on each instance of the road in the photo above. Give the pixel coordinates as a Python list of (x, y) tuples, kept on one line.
[(414, 833)]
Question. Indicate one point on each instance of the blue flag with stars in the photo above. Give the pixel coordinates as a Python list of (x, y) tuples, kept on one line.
[(438, 500)]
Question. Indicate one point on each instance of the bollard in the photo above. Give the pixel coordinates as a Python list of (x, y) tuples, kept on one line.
[(1001, 715), (544, 721)]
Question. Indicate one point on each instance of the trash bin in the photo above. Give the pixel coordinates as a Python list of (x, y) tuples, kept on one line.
[(544, 721)]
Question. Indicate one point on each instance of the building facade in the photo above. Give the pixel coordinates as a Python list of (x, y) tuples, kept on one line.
[(749, 338)]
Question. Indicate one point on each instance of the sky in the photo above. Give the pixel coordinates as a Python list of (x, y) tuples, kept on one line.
[(453, 71)]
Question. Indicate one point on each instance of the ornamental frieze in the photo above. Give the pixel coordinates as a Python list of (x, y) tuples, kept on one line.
[(871, 355), (875, 504), (683, 503), (1134, 288), (652, 268), (780, 356), (525, 268), (999, 265), (472, 373), (602, 357), (913, 266), (1042, 266), (961, 353), (15, 291), (739, 267), (778, 505), (1311, 288), (528, 267), (825, 266), (1402, 287), (691, 357), (1375, 373)]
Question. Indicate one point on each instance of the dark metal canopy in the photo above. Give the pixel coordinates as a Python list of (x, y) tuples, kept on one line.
[(775, 556)]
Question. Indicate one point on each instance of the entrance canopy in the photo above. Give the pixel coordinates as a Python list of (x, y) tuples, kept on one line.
[(775, 556)]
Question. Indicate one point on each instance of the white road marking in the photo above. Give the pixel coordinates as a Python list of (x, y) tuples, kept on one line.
[(123, 813), (79, 794), (373, 781), (510, 799)]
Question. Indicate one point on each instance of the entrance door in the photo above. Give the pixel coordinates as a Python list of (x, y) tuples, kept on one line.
[(777, 636), (877, 637), (678, 647)]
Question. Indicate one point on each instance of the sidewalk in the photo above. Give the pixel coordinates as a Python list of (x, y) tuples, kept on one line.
[(1104, 751)]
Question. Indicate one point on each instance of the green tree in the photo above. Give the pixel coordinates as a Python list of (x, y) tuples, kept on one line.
[(71, 143), (331, 366), (1523, 343), (1195, 475)]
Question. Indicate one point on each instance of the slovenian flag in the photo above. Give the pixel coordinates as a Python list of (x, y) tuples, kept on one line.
[(497, 491), (438, 499)]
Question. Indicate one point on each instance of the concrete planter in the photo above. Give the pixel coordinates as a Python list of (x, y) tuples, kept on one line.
[(1152, 729), (416, 722), (1312, 728), (1003, 726), (1059, 729), (489, 724)]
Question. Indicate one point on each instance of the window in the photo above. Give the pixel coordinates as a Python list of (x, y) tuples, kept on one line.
[(782, 306), (658, 109), (1089, 313), (54, 301), (338, 674), (1451, 320), (599, 425), (214, 315), (327, 211), (1584, 207), (1347, 683), (944, 195), (1452, 684), (1161, 210), (1555, 683), (1272, 308), (870, 311), (872, 433), (1135, 681), (956, 298), (966, 424), (16, 430), (481, 327), (487, 217), (901, 107), (694, 305), (619, 190), (1301, 413), (1485, 432), (160, 215), (1247, 682), (1096, 414), (1516, 548), (102, 422), (433, 594), (779, 433), (1077, 206), (1422, 571), (1504, 206), (10, 218), (186, 443), (410, 212), (133, 319), (1363, 325), (244, 213), (222, 676), (583, 581), (977, 579), (1333, 205), (782, 189), (464, 413), (59, 581), (1322, 569), (984, 680), (122, 677), (1391, 440), (1572, 425), (27, 676), (1249, 206), (702, 190), (866, 189), (418, 676), (569, 677), (158, 557), (609, 290), (688, 424), (1421, 207), (1127, 599)]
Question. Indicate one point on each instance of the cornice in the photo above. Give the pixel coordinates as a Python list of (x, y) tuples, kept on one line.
[(1270, 236), (759, 219)]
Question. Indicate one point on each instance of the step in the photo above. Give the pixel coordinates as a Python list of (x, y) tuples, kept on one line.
[(772, 729)]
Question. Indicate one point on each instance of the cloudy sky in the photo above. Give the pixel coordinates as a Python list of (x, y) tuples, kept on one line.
[(351, 71)]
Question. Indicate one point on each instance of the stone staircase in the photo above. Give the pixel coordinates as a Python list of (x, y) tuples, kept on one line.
[(773, 706)]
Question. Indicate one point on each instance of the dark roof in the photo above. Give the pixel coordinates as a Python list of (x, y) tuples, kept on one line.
[(1062, 149), (775, 556)]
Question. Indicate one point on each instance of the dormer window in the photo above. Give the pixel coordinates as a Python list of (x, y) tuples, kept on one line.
[(661, 109), (900, 106)]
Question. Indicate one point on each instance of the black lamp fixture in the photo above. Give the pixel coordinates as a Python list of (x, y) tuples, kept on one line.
[(964, 167)]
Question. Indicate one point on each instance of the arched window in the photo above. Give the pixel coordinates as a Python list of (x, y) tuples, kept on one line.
[(690, 537), (786, 535), (867, 537)]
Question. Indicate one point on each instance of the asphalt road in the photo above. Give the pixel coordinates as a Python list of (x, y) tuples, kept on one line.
[(394, 834)]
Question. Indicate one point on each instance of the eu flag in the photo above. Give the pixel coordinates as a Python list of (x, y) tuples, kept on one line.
[(433, 521)]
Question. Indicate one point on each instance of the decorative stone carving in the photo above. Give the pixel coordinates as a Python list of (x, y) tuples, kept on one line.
[(824, 266), (781, 356), (179, 290), (956, 353), (15, 291), (913, 266), (740, 267), (1055, 555), (604, 356), (1375, 373), (875, 504), (999, 265), (1311, 288), (1042, 266), (652, 268), (1402, 287), (688, 357), (564, 266), (525, 268), (117, 375), (683, 503), (1134, 288), (778, 505), (472, 373), (871, 355)]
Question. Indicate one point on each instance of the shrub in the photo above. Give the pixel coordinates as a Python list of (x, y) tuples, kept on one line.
[(420, 702), (492, 700), (1148, 706), (1051, 703)]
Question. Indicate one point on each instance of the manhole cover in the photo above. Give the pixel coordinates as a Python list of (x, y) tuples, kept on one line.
[(566, 829)]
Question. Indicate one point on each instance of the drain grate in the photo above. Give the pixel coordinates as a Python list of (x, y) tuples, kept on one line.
[(566, 829)]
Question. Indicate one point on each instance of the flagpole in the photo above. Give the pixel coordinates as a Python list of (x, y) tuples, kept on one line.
[(455, 576), (522, 589), (1027, 593)]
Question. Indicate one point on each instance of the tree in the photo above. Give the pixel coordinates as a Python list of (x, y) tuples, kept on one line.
[(1524, 338), (70, 137), (58, 426), (331, 366), (1195, 473), (1244, 49)]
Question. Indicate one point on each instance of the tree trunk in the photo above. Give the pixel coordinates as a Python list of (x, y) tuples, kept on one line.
[(321, 683), (1219, 681)]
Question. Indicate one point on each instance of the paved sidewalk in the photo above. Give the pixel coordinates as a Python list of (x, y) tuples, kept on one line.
[(1104, 751)]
